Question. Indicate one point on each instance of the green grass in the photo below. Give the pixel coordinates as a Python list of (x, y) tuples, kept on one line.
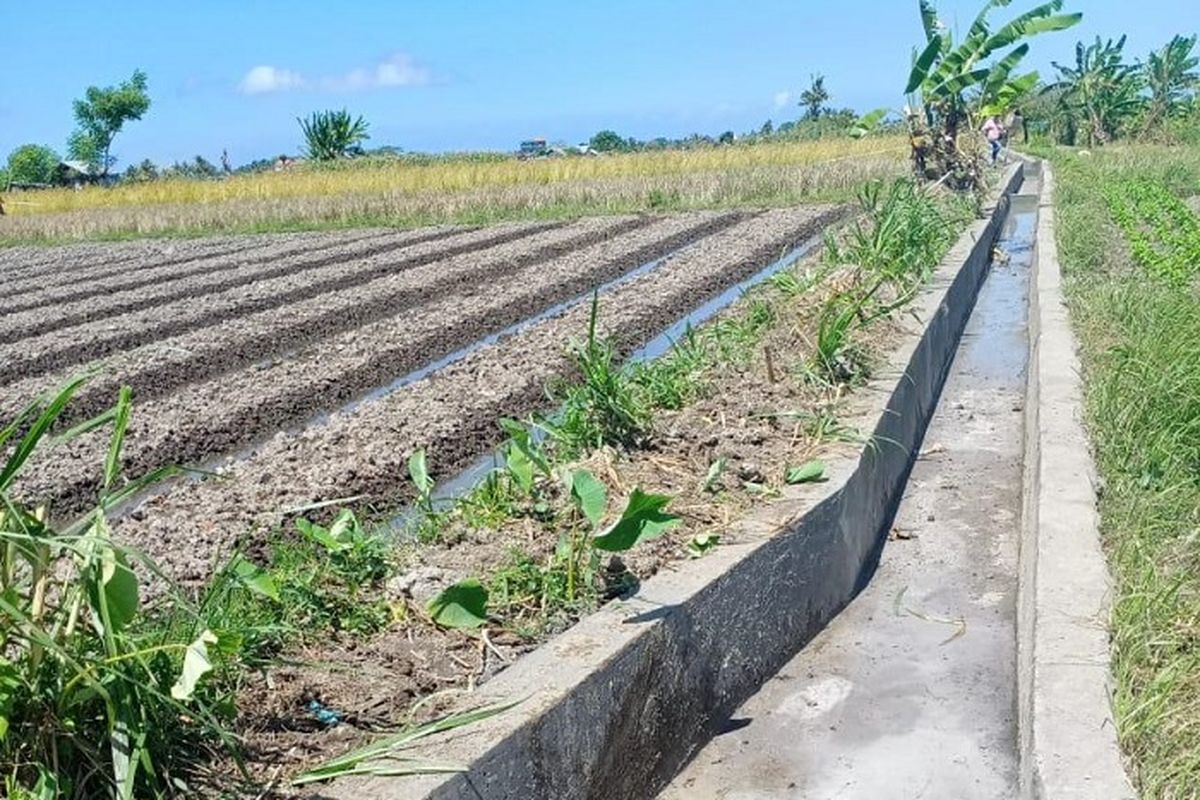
[(1138, 319)]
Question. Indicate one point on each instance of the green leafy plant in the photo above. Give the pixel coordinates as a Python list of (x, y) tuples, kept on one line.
[(463, 605), (606, 406), (1100, 90), (93, 700), (808, 472), (330, 135), (945, 71), (330, 580)]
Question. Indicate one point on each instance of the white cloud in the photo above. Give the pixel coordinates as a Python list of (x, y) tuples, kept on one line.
[(398, 69), (782, 99), (264, 79)]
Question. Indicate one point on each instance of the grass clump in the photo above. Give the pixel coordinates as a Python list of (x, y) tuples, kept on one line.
[(891, 251), (1123, 239), (96, 700)]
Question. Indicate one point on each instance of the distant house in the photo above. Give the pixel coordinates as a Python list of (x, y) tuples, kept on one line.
[(533, 148), (77, 173)]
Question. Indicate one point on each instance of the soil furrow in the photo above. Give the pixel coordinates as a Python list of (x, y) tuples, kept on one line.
[(62, 264), (97, 339), (113, 280), (152, 290), (157, 368), (203, 420), (451, 413)]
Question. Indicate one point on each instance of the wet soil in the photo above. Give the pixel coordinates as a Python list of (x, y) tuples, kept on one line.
[(203, 420), (92, 340), (72, 285)]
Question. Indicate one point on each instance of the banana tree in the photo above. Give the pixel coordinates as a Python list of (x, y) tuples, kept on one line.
[(1100, 88), (1170, 76), (951, 79)]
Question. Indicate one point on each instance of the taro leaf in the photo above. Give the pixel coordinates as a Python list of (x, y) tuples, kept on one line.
[(463, 605), (520, 467), (195, 664), (418, 470), (643, 519), (10, 684), (116, 588), (702, 543), (589, 495), (254, 577), (809, 472), (523, 441)]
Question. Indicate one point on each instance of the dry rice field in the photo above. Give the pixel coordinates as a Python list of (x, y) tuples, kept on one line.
[(305, 368)]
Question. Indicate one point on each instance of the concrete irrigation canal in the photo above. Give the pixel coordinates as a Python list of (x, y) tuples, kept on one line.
[(926, 622), (923, 625)]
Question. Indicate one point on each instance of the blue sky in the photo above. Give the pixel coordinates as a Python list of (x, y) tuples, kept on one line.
[(452, 74)]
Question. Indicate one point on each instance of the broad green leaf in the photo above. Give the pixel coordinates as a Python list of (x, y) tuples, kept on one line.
[(114, 586), (868, 122), (463, 605), (195, 664), (808, 472), (418, 470), (589, 495), (10, 684), (643, 519), (998, 76), (929, 19), (254, 577), (522, 439), (321, 536), (920, 68), (520, 467)]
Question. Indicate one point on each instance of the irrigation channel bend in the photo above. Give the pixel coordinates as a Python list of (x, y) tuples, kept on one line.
[(911, 691)]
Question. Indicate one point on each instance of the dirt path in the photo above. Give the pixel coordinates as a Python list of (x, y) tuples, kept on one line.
[(910, 692)]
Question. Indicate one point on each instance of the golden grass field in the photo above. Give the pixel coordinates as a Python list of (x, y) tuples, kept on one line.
[(457, 190)]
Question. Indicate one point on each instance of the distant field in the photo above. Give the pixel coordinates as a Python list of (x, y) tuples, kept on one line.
[(458, 191)]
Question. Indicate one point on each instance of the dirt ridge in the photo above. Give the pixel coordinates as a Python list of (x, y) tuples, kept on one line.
[(201, 421), (99, 338), (451, 413), (163, 273)]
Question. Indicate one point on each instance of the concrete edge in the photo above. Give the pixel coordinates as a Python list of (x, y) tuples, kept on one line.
[(617, 705), (1067, 739)]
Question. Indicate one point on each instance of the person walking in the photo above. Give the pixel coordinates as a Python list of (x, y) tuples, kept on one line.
[(993, 131)]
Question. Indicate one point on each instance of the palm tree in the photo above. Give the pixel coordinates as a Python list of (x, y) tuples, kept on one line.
[(1101, 88), (1170, 74), (814, 97), (329, 135), (946, 72)]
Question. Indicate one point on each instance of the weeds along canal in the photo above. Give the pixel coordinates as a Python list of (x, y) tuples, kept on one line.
[(911, 690)]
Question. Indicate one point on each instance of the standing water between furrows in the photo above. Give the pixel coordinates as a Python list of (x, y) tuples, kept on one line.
[(911, 690)]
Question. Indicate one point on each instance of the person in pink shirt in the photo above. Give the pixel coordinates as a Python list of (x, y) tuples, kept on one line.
[(993, 131)]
